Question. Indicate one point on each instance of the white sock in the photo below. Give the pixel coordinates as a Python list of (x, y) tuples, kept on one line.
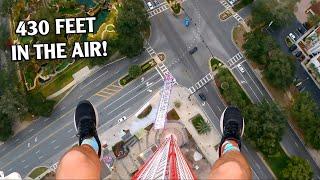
[(92, 142), (228, 146)]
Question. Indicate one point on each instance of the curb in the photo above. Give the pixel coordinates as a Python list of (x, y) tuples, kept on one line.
[(267, 165)]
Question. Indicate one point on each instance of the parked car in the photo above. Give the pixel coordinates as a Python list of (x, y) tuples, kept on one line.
[(302, 30), (241, 69), (202, 97), (293, 47), (122, 119), (156, 2), (298, 54), (292, 36), (301, 58), (193, 50), (150, 5)]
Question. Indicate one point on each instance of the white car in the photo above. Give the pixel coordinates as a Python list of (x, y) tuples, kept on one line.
[(292, 36), (232, 2), (150, 5), (241, 69), (122, 119)]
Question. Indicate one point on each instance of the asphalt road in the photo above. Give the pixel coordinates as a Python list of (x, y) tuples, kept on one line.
[(52, 135), (196, 66)]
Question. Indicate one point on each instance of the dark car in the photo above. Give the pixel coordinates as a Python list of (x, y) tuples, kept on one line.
[(193, 50), (301, 58), (293, 47), (202, 97), (302, 30), (298, 54)]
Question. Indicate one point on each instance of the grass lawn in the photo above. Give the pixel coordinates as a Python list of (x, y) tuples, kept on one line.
[(215, 64), (277, 162), (62, 65), (145, 67), (241, 4), (38, 171), (238, 35), (63, 78), (29, 75)]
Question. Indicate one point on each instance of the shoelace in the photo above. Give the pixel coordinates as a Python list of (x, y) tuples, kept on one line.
[(231, 130), (86, 129)]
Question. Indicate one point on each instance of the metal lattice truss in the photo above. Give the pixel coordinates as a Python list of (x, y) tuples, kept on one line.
[(166, 163), (164, 101)]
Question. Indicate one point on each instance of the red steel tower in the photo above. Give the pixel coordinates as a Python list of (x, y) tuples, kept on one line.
[(166, 163)]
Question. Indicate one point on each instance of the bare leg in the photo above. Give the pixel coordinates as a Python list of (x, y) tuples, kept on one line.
[(81, 162), (231, 165)]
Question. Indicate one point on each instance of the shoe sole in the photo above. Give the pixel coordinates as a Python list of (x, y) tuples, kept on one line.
[(221, 123), (97, 122)]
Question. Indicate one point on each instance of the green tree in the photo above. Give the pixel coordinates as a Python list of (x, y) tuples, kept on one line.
[(135, 71), (132, 45), (280, 70), (4, 37), (5, 127), (230, 89), (297, 169), (307, 114), (264, 126), (131, 24), (38, 105), (313, 19), (258, 45), (266, 11), (6, 6)]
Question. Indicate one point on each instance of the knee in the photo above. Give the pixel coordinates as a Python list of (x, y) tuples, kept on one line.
[(86, 167), (229, 170)]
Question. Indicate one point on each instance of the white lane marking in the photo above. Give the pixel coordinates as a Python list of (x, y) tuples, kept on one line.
[(26, 166), (37, 151), (28, 145), (128, 92), (56, 147), (23, 161), (53, 141), (35, 139), (17, 140), (69, 131), (42, 130), (80, 96), (93, 80), (249, 86), (40, 157), (46, 120), (159, 73), (62, 108), (30, 130), (219, 108), (10, 170), (133, 97), (235, 65), (255, 83)]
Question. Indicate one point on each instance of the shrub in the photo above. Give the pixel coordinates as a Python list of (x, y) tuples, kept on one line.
[(201, 125), (145, 112), (173, 115)]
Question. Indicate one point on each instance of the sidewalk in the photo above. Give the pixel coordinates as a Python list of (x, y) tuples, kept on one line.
[(187, 111)]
